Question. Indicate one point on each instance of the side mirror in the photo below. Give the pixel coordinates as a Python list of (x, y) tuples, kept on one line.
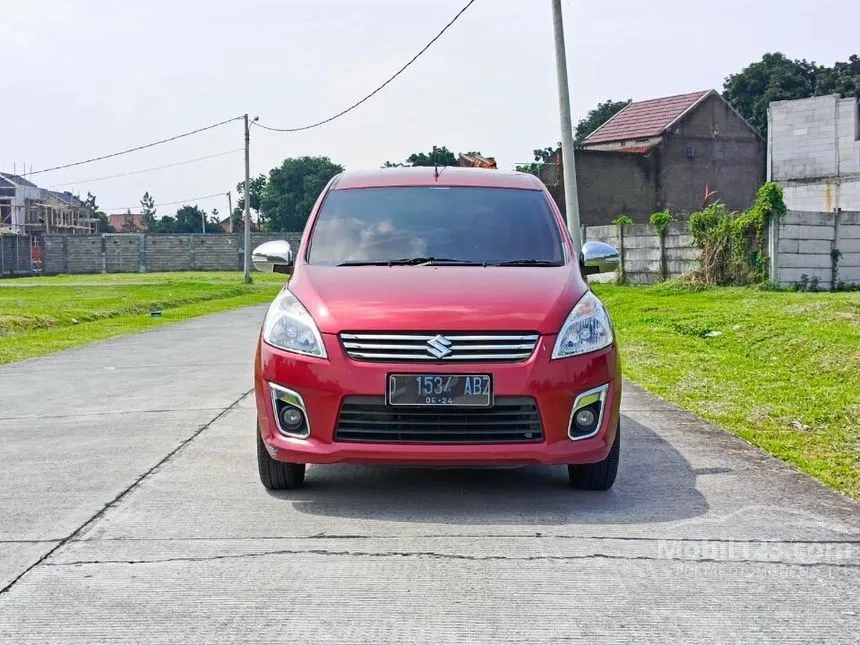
[(273, 257), (598, 257)]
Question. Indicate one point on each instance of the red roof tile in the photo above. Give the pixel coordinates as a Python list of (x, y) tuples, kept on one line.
[(643, 119), (634, 150)]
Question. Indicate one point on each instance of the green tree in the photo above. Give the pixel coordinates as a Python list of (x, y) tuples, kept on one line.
[(597, 117), (147, 212), (104, 222), (843, 78), (258, 183), (541, 156), (166, 224), (777, 78), (189, 219), (291, 191), (128, 225), (443, 157)]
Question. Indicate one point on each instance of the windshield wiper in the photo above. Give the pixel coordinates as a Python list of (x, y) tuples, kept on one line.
[(523, 263), (410, 262)]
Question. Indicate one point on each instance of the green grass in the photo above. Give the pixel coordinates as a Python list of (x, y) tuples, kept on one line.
[(784, 372), (43, 315)]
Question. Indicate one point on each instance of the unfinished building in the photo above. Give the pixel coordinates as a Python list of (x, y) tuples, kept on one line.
[(26, 209)]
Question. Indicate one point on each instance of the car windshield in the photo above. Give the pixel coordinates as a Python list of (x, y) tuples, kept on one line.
[(442, 225)]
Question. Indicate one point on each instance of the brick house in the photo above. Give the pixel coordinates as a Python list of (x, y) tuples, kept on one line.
[(117, 220), (661, 154)]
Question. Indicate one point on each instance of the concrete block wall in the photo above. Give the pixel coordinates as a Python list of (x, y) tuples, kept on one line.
[(15, 256), (848, 124), (641, 250), (133, 253), (803, 138), (805, 241), (169, 253), (82, 254), (814, 152), (52, 254), (121, 253)]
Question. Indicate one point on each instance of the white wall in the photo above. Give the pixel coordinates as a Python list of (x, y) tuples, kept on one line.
[(805, 241), (814, 152)]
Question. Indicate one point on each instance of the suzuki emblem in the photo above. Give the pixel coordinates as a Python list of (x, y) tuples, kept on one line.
[(439, 346)]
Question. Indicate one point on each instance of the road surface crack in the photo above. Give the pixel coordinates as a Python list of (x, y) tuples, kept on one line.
[(83, 528), (450, 556)]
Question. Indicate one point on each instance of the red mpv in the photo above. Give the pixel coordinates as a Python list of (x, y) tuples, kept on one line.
[(437, 317)]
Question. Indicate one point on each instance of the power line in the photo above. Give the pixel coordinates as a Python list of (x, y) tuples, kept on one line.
[(181, 201), (138, 172), (378, 89), (135, 149)]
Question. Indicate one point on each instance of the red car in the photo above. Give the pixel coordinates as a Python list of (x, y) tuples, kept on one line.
[(437, 318)]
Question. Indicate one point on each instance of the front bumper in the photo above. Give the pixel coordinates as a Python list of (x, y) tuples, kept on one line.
[(324, 383)]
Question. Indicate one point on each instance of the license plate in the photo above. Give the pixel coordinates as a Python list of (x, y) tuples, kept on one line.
[(440, 390)]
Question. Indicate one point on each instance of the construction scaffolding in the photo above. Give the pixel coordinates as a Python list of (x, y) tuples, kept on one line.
[(26, 209)]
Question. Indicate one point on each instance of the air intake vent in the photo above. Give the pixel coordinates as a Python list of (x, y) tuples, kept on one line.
[(369, 420)]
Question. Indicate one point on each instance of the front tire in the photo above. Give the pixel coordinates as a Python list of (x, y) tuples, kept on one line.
[(277, 475), (599, 476)]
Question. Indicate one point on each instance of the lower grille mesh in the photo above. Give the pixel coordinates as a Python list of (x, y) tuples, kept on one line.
[(369, 420)]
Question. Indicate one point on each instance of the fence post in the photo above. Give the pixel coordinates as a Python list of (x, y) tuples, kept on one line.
[(2, 256), (773, 248), (65, 255), (661, 238), (834, 248), (191, 250), (141, 247)]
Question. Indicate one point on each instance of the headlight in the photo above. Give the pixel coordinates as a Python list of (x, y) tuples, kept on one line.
[(587, 329), (289, 326)]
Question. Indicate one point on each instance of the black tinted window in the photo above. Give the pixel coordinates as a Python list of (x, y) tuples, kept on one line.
[(492, 225)]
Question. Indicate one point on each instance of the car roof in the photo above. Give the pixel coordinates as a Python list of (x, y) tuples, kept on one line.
[(426, 176)]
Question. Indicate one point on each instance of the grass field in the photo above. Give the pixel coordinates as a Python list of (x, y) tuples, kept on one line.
[(781, 370), (43, 315)]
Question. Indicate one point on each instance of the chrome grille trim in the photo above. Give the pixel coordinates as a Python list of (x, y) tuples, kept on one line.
[(413, 347)]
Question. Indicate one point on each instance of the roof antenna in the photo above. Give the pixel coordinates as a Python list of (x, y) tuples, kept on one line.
[(435, 167)]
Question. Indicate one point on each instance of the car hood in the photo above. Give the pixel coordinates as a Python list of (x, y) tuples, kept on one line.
[(438, 298)]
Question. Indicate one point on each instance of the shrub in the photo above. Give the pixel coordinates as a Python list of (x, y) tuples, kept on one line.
[(660, 221), (734, 244), (622, 220)]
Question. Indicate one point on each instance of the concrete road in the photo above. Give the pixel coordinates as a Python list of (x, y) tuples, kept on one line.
[(130, 511)]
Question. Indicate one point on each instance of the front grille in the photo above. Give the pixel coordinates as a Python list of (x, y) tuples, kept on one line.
[(369, 420), (460, 347)]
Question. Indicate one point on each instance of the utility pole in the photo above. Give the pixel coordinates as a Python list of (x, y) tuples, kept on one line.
[(247, 277), (571, 194), (230, 211)]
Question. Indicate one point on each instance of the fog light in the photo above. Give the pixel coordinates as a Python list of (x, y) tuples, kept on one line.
[(290, 412), (291, 418), (584, 418), (587, 414)]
